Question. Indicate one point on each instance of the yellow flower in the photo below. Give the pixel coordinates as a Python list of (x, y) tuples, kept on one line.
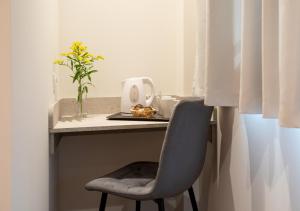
[(76, 46), (87, 61), (82, 47), (99, 58), (90, 55), (77, 43), (66, 54), (59, 62), (79, 52)]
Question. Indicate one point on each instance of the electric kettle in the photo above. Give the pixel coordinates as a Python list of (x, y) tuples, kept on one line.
[(133, 93)]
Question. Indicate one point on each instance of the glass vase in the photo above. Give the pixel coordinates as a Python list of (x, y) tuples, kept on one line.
[(82, 108)]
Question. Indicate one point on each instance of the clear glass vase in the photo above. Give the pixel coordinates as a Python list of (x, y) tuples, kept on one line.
[(82, 108)]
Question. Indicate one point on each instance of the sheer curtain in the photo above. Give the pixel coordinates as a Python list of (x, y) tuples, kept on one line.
[(249, 57)]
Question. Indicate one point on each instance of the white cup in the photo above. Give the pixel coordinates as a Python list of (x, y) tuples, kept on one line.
[(167, 105)]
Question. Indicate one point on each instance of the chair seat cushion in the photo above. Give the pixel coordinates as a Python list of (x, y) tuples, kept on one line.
[(134, 181)]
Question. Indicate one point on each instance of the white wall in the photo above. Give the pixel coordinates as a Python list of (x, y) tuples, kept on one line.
[(137, 38), (5, 107), (190, 43), (34, 41)]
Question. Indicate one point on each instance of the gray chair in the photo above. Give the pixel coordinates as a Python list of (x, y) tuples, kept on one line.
[(181, 162)]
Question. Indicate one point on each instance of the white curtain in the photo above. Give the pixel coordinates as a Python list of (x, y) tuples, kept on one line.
[(249, 57)]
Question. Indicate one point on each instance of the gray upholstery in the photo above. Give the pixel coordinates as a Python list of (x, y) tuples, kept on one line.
[(131, 181), (181, 159)]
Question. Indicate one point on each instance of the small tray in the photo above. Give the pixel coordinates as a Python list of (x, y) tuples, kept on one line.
[(129, 116)]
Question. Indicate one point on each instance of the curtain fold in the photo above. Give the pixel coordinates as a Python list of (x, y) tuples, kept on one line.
[(250, 96), (250, 57), (289, 62), (270, 59), (222, 51)]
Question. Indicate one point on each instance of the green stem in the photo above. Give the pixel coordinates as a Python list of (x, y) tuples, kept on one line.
[(80, 96)]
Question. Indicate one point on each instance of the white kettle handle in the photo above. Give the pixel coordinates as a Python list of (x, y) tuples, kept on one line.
[(147, 80)]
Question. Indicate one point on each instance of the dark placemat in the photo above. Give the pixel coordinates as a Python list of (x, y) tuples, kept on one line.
[(128, 116)]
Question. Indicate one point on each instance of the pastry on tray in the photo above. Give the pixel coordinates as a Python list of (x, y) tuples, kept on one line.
[(141, 111)]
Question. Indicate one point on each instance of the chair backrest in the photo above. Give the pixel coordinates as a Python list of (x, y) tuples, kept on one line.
[(183, 153)]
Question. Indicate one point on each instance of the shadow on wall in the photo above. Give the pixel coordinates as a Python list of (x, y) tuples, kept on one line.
[(274, 162), (290, 146), (260, 136), (259, 166), (263, 171), (207, 178), (221, 194)]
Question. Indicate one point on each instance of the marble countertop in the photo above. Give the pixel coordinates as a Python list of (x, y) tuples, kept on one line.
[(62, 120), (98, 122)]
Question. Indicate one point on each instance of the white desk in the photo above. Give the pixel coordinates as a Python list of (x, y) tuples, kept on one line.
[(98, 122)]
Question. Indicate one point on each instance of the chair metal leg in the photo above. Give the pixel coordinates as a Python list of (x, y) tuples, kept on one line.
[(193, 199), (137, 205), (103, 202), (161, 204)]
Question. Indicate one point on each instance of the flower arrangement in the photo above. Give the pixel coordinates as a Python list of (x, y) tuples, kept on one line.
[(81, 63)]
